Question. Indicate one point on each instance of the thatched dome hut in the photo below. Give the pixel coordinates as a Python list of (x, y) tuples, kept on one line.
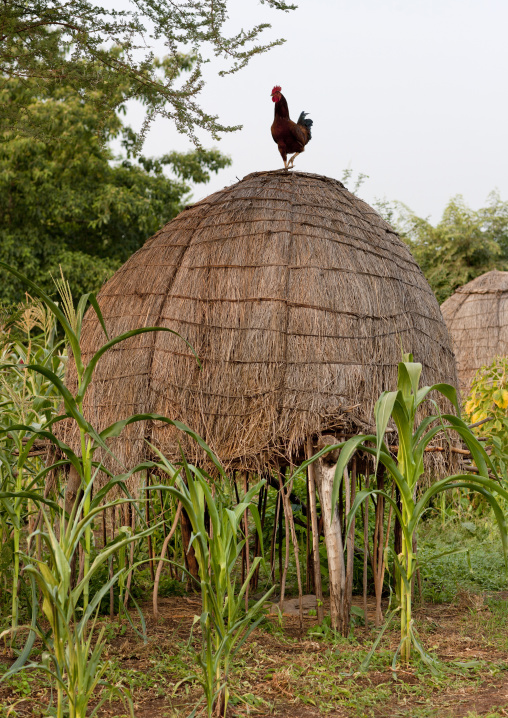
[(477, 318), (298, 298)]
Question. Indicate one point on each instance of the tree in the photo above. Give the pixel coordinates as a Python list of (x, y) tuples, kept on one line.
[(33, 32), (70, 203), (463, 245)]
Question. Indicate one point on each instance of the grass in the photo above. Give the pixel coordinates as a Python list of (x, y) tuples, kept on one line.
[(481, 569)]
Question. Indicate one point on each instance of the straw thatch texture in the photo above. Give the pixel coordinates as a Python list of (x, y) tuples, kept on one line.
[(297, 297), (477, 318)]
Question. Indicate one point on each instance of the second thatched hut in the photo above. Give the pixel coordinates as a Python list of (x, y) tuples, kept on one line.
[(477, 318)]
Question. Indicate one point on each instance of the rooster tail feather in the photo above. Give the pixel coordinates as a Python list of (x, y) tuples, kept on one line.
[(307, 123)]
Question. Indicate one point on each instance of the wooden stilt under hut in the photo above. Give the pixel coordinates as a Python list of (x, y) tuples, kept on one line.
[(299, 300)]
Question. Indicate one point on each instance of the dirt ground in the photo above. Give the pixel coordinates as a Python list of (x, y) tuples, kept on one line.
[(288, 672)]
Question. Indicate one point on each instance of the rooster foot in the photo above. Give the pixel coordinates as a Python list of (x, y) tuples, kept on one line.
[(292, 160)]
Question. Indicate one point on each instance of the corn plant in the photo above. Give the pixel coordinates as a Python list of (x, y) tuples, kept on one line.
[(402, 406), (73, 650), (225, 624), (26, 398)]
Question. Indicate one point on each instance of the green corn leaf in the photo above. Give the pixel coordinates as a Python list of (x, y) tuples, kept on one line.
[(480, 456), (437, 556), (34, 496), (409, 378), (348, 450), (366, 661), (391, 465), (382, 413), (105, 554), (446, 390), (429, 661), (97, 598), (212, 507), (80, 312), (27, 649), (361, 496)]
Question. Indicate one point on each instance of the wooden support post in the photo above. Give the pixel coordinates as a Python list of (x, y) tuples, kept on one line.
[(262, 516), (246, 531), (291, 535), (286, 527), (111, 570), (309, 562), (151, 555), (325, 474), (274, 539), (315, 533), (365, 543), (281, 511), (132, 519), (378, 546), (350, 488)]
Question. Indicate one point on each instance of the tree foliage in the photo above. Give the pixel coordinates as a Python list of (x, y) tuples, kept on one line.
[(463, 245), (71, 203), (33, 32)]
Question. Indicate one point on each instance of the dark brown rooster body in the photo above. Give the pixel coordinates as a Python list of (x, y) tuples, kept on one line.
[(289, 136)]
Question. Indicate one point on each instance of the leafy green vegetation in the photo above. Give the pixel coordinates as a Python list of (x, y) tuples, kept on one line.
[(480, 567), (73, 204), (94, 69), (462, 245), (488, 399)]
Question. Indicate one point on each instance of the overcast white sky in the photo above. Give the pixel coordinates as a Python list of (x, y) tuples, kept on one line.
[(412, 93)]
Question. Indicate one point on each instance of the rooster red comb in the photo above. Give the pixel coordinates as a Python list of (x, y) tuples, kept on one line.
[(277, 88)]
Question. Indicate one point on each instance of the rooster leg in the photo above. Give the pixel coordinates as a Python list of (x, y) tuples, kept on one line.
[(292, 159)]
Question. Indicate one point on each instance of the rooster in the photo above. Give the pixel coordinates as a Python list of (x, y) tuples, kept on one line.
[(290, 136)]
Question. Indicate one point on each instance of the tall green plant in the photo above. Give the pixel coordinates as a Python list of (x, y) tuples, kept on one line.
[(73, 650), (225, 625), (402, 406), (26, 398)]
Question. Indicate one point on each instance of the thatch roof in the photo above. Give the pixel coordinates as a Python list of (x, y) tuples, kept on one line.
[(298, 298), (477, 318)]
